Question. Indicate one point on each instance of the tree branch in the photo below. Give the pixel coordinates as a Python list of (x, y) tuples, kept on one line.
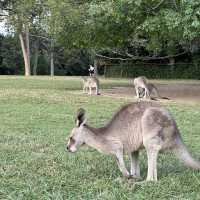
[(129, 55), (4, 15), (144, 58), (39, 36), (158, 5), (175, 5)]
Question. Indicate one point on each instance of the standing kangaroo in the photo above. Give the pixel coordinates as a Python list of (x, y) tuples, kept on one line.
[(136, 125), (89, 84)]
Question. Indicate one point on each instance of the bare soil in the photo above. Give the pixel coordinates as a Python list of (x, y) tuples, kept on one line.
[(177, 92)]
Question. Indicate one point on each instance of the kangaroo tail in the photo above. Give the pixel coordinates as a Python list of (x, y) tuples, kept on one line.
[(159, 96), (156, 89), (183, 154), (165, 98)]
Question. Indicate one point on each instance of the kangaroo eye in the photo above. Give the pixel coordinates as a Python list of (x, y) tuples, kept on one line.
[(72, 140)]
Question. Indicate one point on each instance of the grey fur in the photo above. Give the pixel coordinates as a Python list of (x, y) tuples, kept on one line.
[(141, 82), (89, 84), (152, 89), (135, 126), (144, 89)]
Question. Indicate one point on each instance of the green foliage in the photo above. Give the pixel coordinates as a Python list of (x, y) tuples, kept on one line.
[(191, 19), (161, 28), (11, 60), (65, 22), (172, 27), (74, 62), (26, 12)]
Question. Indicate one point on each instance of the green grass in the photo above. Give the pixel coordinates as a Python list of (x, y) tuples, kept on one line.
[(36, 115)]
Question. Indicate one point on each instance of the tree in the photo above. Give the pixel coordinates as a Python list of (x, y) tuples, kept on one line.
[(11, 58), (36, 55), (129, 29), (120, 29), (24, 16)]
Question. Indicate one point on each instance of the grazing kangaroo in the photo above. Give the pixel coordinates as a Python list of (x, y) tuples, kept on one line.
[(152, 88), (89, 84), (136, 125), (145, 89), (141, 82)]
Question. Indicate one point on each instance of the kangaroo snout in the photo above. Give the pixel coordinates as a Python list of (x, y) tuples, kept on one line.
[(70, 149)]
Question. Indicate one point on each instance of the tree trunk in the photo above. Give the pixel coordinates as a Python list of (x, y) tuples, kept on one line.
[(36, 57), (52, 64), (171, 63), (95, 67), (105, 70), (52, 59), (25, 55), (28, 47)]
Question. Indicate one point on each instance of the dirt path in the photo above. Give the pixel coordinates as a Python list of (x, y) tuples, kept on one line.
[(177, 92)]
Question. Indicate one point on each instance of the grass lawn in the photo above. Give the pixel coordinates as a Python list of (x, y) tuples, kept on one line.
[(36, 115)]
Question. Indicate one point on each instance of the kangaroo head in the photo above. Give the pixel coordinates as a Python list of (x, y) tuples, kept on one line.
[(76, 137)]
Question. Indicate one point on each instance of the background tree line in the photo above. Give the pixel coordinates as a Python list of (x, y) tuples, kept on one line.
[(74, 62), (65, 36)]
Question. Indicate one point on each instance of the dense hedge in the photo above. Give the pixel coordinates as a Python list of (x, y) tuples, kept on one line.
[(178, 71)]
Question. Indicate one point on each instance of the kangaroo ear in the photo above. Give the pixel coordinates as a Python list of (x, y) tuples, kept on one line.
[(80, 117)]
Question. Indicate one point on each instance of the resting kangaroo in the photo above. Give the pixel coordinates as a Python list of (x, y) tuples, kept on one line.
[(90, 83), (136, 125)]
